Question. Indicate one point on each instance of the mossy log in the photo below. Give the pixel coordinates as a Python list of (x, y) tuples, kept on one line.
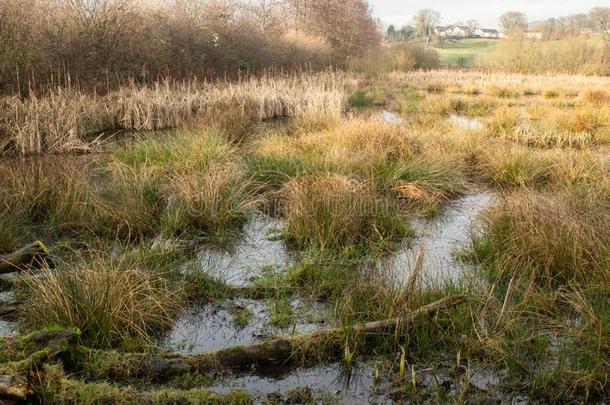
[(299, 349), (28, 353), (11, 392), (23, 355), (33, 255)]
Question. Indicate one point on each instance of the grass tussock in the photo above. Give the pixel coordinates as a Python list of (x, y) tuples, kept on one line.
[(213, 200), (181, 151), (112, 301), (384, 155), (479, 107), (553, 238), (545, 316), (334, 212), (542, 127), (51, 193), (425, 181), (513, 166)]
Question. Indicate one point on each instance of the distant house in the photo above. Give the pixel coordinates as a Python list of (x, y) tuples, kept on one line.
[(489, 33), (462, 31), (452, 31), (533, 34)]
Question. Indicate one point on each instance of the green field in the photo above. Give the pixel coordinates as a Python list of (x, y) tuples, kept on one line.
[(464, 52)]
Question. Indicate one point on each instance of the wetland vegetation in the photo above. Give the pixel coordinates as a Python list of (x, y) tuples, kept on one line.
[(331, 236)]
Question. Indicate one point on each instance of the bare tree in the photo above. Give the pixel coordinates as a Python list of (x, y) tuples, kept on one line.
[(600, 19), (513, 22), (472, 25), (425, 24)]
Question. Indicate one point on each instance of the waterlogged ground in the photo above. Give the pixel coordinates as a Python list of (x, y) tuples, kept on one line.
[(438, 239), (8, 327), (236, 322), (240, 262), (369, 382), (465, 122), (322, 383), (239, 321)]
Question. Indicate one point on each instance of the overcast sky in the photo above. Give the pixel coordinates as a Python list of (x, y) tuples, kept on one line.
[(400, 12)]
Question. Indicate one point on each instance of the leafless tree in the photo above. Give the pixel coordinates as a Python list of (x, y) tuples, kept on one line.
[(425, 24)]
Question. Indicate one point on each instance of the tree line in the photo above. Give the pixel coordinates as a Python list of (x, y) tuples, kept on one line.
[(100, 43), (425, 21)]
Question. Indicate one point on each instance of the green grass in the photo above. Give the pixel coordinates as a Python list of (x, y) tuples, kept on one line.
[(175, 151), (464, 52)]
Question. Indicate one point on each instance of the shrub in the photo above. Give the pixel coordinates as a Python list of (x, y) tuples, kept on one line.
[(396, 58), (570, 56)]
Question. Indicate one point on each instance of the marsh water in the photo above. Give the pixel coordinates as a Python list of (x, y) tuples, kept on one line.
[(390, 117), (465, 122), (257, 248), (216, 326), (438, 238), (7, 327), (329, 381)]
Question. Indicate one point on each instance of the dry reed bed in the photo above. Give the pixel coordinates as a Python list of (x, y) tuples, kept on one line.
[(481, 79), (68, 120)]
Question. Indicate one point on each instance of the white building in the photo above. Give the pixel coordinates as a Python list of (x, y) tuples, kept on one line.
[(490, 33), (533, 34), (462, 31)]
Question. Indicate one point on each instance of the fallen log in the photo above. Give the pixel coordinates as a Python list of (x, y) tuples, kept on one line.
[(299, 349), (33, 255), (10, 392)]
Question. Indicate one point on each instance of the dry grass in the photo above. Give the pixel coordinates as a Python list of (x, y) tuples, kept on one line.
[(69, 121), (212, 200), (112, 301), (532, 84), (354, 146), (544, 127), (567, 56), (51, 193), (387, 156), (555, 238), (333, 212)]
